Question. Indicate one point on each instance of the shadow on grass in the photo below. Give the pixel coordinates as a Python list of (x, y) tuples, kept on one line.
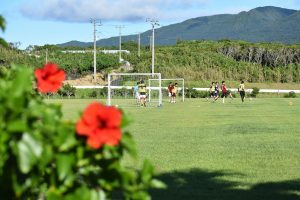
[(198, 184)]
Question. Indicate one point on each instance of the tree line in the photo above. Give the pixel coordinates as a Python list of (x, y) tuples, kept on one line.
[(191, 60)]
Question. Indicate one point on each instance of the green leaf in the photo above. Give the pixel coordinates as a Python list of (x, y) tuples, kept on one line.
[(126, 120), (64, 165), (19, 125), (53, 196), (4, 155), (22, 82), (98, 195), (129, 144), (155, 183), (66, 137), (141, 195), (47, 156), (2, 23), (82, 193), (147, 171), (29, 150), (3, 42)]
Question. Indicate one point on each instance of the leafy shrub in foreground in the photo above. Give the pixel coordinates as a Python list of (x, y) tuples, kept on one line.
[(42, 157)]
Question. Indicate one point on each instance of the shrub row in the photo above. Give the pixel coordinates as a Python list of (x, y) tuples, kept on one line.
[(71, 92)]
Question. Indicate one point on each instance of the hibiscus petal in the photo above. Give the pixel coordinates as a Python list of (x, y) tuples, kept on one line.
[(39, 73), (90, 114), (51, 68), (44, 86), (83, 129), (49, 78), (57, 77), (114, 117), (94, 142), (109, 136)]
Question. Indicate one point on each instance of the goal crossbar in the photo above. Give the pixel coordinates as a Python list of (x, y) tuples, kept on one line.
[(109, 86)]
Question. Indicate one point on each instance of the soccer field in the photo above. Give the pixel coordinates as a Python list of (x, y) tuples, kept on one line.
[(205, 150)]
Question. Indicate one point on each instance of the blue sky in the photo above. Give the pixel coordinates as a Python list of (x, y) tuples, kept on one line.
[(39, 22)]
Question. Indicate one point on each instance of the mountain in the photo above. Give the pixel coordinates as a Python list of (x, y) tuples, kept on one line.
[(262, 24)]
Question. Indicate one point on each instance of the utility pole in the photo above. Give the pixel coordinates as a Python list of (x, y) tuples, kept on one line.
[(94, 22), (120, 41), (46, 55), (154, 23), (139, 44)]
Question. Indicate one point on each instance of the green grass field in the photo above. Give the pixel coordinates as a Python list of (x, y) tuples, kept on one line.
[(205, 150)]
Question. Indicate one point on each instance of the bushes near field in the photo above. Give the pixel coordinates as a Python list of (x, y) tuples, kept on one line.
[(255, 92), (290, 95), (123, 93)]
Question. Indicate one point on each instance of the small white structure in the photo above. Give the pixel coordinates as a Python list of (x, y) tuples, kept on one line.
[(100, 51)]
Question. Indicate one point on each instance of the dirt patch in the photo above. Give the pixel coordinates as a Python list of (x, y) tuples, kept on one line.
[(88, 80)]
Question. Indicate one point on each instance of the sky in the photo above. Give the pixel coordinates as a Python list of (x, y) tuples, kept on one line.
[(40, 22)]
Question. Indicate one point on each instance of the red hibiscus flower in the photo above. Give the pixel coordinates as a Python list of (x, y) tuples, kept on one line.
[(49, 78), (101, 125)]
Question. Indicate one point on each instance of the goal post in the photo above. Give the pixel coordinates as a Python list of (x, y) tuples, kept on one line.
[(164, 84), (121, 88)]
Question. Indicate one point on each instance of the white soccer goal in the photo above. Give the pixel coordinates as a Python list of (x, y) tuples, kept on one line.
[(120, 89), (164, 84)]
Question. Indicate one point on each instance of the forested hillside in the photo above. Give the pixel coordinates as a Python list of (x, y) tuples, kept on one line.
[(228, 60), (262, 24), (192, 60)]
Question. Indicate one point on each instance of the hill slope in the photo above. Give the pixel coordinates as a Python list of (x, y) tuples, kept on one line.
[(262, 24)]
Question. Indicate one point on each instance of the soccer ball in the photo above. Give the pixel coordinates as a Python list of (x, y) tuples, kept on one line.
[(116, 106)]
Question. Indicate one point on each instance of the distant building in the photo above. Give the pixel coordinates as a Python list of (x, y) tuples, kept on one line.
[(101, 51)]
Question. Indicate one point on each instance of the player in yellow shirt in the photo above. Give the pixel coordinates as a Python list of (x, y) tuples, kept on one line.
[(174, 93), (142, 92), (242, 90), (211, 91)]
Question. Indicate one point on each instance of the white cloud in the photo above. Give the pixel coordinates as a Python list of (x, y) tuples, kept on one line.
[(117, 10)]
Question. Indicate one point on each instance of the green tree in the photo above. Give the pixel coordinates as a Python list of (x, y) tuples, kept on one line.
[(2, 27)]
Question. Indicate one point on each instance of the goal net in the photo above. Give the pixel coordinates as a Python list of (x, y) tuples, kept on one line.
[(164, 86), (123, 89)]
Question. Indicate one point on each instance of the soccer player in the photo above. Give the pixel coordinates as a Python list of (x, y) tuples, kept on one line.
[(242, 90), (174, 92), (216, 94), (212, 90), (136, 92), (225, 92), (142, 92), (170, 88)]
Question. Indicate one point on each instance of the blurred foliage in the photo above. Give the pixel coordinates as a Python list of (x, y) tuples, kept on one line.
[(42, 157), (2, 27)]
